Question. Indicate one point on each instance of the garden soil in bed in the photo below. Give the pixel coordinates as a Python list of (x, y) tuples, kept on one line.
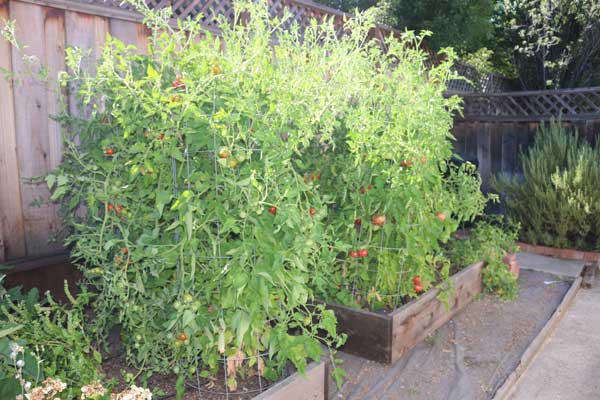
[(467, 358)]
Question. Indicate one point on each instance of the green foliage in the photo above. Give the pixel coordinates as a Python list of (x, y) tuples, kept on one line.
[(212, 187), (554, 44), (48, 339), (498, 279), (490, 240), (557, 200)]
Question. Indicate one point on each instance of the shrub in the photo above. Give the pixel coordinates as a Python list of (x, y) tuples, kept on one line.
[(557, 200)]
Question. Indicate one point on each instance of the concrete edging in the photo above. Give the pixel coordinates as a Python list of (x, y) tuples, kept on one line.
[(506, 389)]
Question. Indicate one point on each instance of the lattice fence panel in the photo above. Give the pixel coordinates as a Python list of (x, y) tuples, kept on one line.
[(540, 105)]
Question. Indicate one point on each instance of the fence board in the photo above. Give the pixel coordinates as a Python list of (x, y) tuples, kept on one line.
[(36, 157), (12, 234), (130, 33), (88, 32)]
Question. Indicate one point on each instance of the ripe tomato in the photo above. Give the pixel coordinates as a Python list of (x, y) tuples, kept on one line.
[(223, 152), (378, 219), (109, 152), (363, 190), (216, 70), (119, 208), (357, 221), (363, 253), (111, 207), (312, 211), (417, 281), (273, 210), (406, 163), (178, 84), (183, 337), (441, 216), (370, 187), (354, 254), (418, 288)]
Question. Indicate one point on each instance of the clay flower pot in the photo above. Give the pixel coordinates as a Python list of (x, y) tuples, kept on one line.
[(511, 262)]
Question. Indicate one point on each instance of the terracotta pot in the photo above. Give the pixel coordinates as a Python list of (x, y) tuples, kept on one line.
[(511, 262)]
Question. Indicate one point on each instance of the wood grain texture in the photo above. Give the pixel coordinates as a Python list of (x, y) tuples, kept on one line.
[(387, 337), (12, 231), (310, 386), (88, 32), (369, 333), (130, 33), (416, 320), (37, 138)]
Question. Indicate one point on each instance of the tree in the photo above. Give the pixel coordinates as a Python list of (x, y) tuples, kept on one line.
[(554, 43)]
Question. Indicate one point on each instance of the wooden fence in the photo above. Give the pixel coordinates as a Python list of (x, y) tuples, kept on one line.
[(30, 142), (496, 127)]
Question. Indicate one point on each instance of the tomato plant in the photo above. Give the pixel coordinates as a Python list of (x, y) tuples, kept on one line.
[(240, 173)]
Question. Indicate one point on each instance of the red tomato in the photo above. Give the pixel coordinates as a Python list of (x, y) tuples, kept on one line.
[(418, 288), (178, 84), (441, 216), (354, 254), (119, 208), (357, 221), (109, 152), (406, 163), (363, 253), (363, 190), (273, 210), (370, 187), (183, 337), (417, 280), (378, 219), (312, 211), (110, 207)]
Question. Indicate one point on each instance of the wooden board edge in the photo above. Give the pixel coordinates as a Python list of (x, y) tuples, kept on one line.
[(307, 386), (536, 345), (569, 254), (432, 293)]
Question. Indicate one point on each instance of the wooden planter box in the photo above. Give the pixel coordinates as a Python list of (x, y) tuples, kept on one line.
[(308, 386), (387, 337), (569, 254)]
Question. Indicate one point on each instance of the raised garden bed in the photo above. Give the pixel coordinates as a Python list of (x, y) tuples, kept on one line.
[(568, 254), (308, 386), (387, 337)]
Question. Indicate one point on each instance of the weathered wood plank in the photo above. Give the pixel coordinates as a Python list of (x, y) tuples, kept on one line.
[(36, 156), (509, 148), (12, 231), (416, 320), (484, 157), (87, 32), (130, 33), (369, 333)]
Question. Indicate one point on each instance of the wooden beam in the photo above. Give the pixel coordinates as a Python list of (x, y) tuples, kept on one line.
[(11, 208), (38, 154)]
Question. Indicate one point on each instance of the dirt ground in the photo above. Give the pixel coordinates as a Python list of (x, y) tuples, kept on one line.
[(469, 357)]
